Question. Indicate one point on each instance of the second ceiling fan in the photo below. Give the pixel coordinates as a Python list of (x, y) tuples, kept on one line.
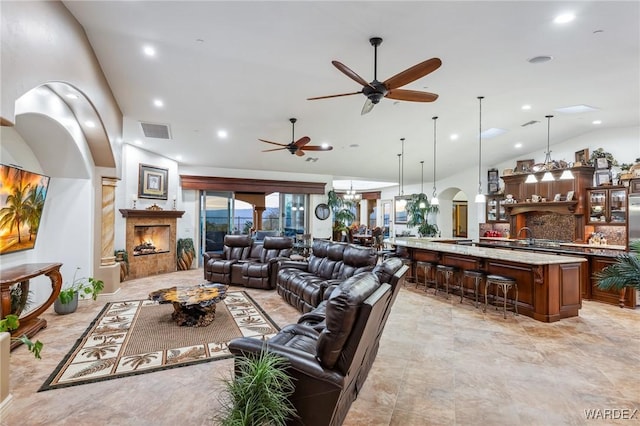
[(297, 147), (390, 88)]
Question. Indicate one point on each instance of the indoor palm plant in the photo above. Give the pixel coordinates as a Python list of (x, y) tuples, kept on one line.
[(624, 273), (259, 392), (67, 301), (342, 214), (418, 210)]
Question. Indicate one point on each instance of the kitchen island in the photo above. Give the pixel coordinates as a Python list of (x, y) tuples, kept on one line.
[(598, 257), (548, 285)]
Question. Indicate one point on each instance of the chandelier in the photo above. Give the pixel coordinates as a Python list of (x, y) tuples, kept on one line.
[(352, 195)]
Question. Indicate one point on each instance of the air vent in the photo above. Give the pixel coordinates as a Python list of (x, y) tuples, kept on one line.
[(529, 123), (157, 131)]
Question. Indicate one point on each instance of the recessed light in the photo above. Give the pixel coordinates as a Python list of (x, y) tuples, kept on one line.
[(158, 103), (540, 59), (149, 51), (90, 124), (222, 134), (526, 107), (596, 122), (518, 145), (564, 18), (178, 157), (454, 136), (138, 142)]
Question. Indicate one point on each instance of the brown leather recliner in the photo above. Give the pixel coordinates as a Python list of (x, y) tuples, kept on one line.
[(330, 366), (258, 273), (217, 267), (302, 284)]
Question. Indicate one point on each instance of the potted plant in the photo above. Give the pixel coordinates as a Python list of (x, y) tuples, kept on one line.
[(67, 301), (624, 273), (186, 253), (122, 257), (418, 210), (601, 153), (259, 392), (11, 322), (342, 214)]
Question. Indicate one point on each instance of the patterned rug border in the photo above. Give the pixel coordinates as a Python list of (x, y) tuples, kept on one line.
[(47, 384)]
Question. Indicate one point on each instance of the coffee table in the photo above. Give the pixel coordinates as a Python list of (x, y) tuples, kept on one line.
[(194, 306)]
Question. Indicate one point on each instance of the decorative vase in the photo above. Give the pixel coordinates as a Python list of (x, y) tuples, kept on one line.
[(66, 308)]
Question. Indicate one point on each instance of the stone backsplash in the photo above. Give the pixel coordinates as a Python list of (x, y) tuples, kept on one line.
[(551, 226)]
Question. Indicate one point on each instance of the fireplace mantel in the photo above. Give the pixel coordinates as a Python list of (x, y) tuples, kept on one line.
[(152, 213)]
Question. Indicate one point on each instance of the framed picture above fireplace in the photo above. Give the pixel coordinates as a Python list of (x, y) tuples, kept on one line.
[(152, 182)]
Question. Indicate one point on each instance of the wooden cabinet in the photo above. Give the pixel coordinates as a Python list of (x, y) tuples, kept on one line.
[(624, 298), (496, 213), (607, 206), (634, 186)]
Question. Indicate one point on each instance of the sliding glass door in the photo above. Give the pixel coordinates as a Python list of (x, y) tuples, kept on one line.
[(216, 219)]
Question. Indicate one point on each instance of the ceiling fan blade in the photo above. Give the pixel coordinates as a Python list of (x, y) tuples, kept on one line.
[(275, 149), (274, 143), (367, 107), (334, 96), (411, 95), (317, 148), (351, 74), (302, 141), (299, 152), (413, 73)]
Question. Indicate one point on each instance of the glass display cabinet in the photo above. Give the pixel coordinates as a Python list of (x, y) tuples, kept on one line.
[(496, 213), (607, 205)]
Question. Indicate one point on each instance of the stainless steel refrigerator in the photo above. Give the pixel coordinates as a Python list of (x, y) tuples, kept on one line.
[(634, 217)]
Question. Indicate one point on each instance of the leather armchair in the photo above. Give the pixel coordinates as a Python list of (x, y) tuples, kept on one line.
[(330, 366), (258, 272), (218, 267)]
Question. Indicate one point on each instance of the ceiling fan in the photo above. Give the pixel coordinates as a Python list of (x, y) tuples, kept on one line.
[(389, 88), (297, 147)]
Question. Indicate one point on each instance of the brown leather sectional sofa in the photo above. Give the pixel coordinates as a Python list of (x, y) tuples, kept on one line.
[(246, 262), (331, 349), (302, 284)]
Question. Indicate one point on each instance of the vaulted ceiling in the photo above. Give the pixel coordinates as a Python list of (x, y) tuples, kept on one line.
[(247, 67)]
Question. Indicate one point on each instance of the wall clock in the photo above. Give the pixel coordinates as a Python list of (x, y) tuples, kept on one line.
[(322, 211)]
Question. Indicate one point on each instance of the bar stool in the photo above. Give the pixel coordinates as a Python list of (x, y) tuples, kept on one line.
[(477, 276), (408, 278), (446, 273), (428, 270), (505, 284)]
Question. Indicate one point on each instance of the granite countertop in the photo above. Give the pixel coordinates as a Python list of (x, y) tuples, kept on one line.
[(518, 256), (571, 249)]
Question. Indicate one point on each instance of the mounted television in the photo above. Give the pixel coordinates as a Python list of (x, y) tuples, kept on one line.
[(22, 196)]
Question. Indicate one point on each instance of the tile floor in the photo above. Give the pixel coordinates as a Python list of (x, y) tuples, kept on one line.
[(440, 363)]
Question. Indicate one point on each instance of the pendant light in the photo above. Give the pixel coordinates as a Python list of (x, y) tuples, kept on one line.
[(399, 176), (422, 204), (548, 177), (434, 200), (402, 175), (480, 198)]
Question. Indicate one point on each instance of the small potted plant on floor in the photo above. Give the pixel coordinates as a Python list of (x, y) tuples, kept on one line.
[(259, 392), (67, 301), (186, 253)]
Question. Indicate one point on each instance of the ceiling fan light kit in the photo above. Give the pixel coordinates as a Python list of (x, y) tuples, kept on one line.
[(297, 147), (375, 90)]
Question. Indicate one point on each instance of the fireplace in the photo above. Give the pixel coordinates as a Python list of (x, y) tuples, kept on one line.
[(151, 241)]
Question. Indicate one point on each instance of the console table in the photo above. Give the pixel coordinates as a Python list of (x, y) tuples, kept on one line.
[(30, 324)]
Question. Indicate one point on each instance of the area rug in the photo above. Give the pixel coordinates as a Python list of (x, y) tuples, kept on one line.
[(139, 336)]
